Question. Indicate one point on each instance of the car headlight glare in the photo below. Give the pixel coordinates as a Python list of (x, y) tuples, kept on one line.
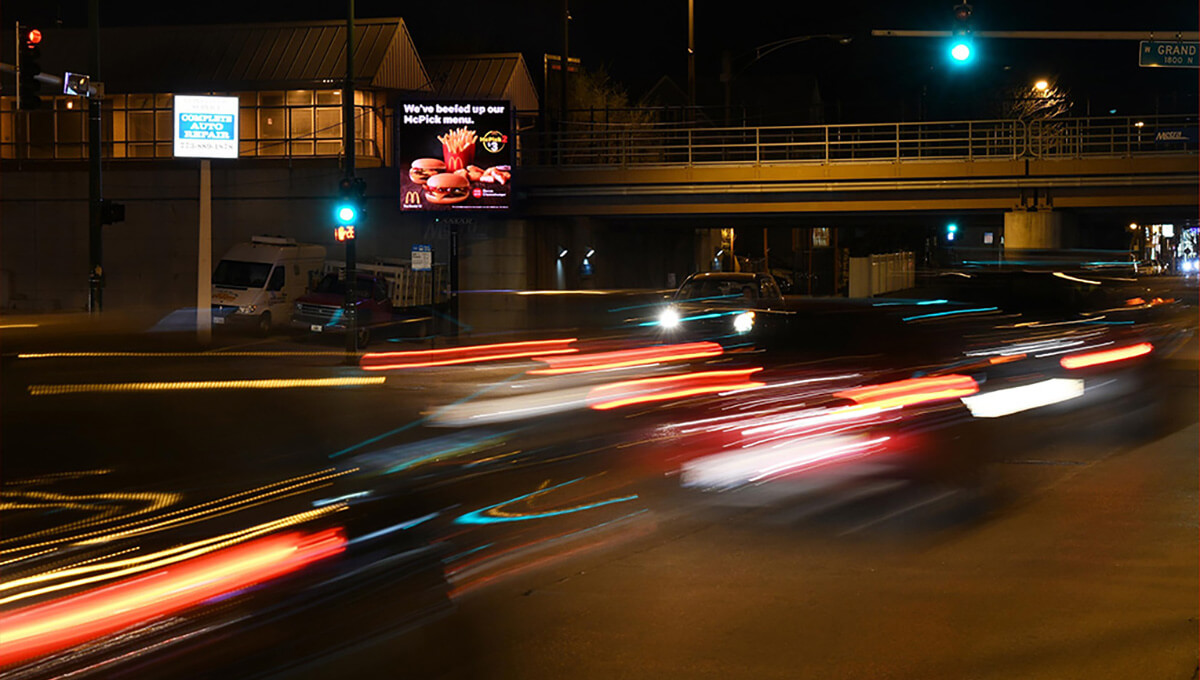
[(669, 318), (247, 309), (742, 323)]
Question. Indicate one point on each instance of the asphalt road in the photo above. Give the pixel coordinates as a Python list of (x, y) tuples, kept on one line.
[(593, 564)]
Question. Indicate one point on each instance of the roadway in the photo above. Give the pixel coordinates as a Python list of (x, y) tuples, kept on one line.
[(568, 550)]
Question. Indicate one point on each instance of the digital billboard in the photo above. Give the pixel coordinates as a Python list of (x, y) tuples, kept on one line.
[(455, 155)]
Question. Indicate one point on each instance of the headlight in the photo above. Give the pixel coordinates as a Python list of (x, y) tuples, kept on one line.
[(247, 309), (669, 318), (742, 323)]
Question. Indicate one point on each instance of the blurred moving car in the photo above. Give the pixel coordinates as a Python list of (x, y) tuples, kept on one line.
[(722, 305), (890, 389), (315, 575)]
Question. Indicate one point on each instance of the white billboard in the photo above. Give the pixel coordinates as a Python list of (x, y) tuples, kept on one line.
[(206, 127)]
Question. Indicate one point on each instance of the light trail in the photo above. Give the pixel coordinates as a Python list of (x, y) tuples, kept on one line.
[(197, 385)]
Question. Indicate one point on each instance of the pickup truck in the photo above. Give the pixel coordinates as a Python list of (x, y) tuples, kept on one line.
[(321, 310)]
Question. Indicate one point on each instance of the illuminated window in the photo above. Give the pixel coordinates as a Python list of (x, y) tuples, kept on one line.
[(292, 123)]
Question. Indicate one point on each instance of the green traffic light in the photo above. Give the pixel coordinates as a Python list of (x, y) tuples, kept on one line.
[(346, 215), (961, 51)]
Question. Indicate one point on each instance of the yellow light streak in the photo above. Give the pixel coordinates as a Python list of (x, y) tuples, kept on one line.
[(190, 513), (56, 476), (1076, 279), (269, 384), (171, 355), (18, 325), (159, 559), (157, 501)]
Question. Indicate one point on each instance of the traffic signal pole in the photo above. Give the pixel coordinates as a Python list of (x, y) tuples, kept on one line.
[(1045, 35), (95, 195), (351, 305)]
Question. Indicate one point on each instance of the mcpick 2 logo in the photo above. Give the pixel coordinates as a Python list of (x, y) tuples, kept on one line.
[(412, 199), (494, 141)]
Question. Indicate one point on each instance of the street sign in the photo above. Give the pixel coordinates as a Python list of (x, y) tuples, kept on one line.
[(422, 258), (206, 127), (1175, 54)]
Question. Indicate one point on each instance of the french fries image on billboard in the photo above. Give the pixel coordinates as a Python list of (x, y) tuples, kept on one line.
[(458, 148)]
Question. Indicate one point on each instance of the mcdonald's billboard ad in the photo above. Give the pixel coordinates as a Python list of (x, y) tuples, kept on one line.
[(455, 155)]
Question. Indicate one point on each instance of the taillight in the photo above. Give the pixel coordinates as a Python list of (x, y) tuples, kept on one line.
[(912, 391), (1107, 356)]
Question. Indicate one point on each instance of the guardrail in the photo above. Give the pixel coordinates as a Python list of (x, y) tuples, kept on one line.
[(623, 146)]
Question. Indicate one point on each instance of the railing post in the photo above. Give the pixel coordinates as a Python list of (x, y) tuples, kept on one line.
[(689, 146), (757, 147), (827, 145), (897, 142), (970, 140)]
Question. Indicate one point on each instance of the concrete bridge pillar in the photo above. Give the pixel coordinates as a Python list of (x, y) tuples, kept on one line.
[(1038, 230)]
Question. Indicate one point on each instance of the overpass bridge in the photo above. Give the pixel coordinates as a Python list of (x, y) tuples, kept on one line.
[(985, 165)]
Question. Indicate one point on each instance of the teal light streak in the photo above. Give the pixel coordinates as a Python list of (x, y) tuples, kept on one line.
[(950, 313), (479, 516)]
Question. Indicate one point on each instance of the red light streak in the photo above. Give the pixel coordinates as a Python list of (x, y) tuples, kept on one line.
[(1107, 356), (670, 387), (912, 391), (382, 361), (623, 358), (59, 624)]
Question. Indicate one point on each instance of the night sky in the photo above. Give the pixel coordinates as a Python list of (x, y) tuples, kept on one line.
[(637, 42)]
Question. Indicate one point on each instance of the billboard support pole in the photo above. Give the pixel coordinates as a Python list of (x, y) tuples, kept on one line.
[(204, 257), (453, 311), (351, 304)]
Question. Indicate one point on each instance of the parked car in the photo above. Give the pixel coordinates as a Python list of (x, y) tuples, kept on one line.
[(322, 311)]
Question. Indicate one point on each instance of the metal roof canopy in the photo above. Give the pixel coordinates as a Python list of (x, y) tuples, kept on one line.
[(485, 76), (226, 58)]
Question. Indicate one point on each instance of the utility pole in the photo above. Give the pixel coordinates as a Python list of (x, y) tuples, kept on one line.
[(691, 53), (566, 61), (350, 308), (95, 195)]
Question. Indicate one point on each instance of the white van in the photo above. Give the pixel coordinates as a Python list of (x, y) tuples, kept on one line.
[(257, 283)]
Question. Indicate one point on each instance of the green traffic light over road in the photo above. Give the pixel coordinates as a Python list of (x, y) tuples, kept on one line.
[(961, 51)]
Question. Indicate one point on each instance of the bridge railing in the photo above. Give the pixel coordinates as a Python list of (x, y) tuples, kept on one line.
[(1111, 136), (969, 140)]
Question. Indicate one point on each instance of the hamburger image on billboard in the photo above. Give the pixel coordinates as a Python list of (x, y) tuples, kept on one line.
[(455, 155)]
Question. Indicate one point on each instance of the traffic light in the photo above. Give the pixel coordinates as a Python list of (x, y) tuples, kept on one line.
[(951, 231), (111, 212), (30, 65), (349, 210), (962, 47)]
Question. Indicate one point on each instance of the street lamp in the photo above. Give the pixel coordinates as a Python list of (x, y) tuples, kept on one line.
[(727, 75), (1041, 85)]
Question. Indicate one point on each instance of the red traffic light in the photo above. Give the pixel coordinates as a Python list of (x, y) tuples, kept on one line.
[(33, 37)]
